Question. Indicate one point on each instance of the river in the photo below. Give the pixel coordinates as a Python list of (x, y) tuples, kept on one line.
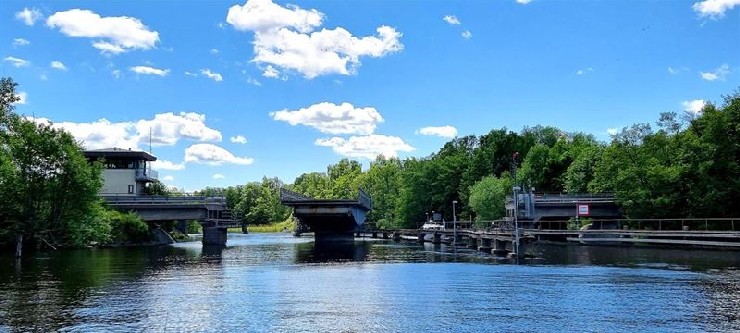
[(279, 283)]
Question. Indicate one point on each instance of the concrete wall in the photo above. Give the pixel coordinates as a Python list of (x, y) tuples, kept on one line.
[(116, 182)]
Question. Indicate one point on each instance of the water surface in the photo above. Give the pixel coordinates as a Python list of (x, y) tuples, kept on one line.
[(275, 282)]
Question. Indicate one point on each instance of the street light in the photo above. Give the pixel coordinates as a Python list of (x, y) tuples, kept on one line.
[(454, 224)]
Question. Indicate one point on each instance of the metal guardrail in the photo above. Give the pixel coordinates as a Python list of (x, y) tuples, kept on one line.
[(163, 200)]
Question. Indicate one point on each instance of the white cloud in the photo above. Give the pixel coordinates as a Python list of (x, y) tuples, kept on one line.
[(523, 2), (17, 62), (20, 42), (168, 178), (28, 16), (271, 72), (114, 34), (58, 65), (719, 74), (21, 98), (612, 131), (211, 75), (254, 82), (167, 165), (239, 139), (442, 131), (369, 146), (451, 19), (218, 176), (191, 74), (213, 155), (467, 34), (146, 70), (584, 71), (333, 119), (214, 51), (714, 8), (116, 73), (694, 106), (287, 38), (166, 129)]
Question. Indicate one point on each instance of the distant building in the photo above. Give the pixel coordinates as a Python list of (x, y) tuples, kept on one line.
[(125, 172)]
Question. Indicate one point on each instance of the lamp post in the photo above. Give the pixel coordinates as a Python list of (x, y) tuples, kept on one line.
[(516, 189), (454, 224)]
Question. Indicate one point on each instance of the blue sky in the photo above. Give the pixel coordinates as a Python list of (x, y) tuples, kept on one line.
[(233, 91)]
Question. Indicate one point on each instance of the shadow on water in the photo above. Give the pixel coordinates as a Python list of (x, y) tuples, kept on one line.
[(321, 252)]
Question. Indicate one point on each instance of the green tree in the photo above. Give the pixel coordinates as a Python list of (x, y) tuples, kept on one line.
[(48, 187), (487, 197)]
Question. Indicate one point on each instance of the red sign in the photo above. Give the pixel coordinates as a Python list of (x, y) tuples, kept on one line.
[(582, 210)]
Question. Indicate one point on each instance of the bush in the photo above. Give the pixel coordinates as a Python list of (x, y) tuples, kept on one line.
[(128, 227)]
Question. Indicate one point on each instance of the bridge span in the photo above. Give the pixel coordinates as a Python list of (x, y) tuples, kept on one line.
[(329, 219), (210, 212)]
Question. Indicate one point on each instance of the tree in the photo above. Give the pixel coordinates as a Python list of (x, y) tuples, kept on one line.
[(488, 196), (48, 188)]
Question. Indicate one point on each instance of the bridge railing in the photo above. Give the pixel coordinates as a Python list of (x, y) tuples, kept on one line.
[(162, 200), (686, 224)]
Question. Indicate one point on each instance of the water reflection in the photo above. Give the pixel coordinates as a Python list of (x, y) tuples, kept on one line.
[(263, 283), (319, 252)]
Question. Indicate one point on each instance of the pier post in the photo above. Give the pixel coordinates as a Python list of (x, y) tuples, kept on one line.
[(437, 238)]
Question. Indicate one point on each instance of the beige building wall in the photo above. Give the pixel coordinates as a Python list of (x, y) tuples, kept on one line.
[(117, 182)]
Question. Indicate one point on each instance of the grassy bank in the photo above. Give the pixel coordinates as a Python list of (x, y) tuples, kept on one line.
[(272, 227)]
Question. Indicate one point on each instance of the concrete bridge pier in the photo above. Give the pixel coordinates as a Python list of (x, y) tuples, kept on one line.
[(485, 245), (214, 236), (472, 242), (499, 247)]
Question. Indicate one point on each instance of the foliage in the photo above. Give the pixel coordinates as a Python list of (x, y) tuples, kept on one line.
[(156, 188), (48, 189), (487, 197)]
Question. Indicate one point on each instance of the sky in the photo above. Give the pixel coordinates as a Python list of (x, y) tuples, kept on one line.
[(226, 92)]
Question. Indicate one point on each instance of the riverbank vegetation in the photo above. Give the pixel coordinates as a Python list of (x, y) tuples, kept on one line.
[(49, 191), (685, 165)]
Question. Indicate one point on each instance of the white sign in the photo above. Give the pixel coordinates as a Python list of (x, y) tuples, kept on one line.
[(582, 210)]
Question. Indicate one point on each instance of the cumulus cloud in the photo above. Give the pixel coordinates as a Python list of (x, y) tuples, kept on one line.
[(523, 2), (167, 165), (28, 16), (333, 119), (719, 74), (168, 178), (165, 129), (21, 98), (253, 82), (612, 131), (17, 62), (451, 19), (213, 155), (211, 75), (288, 39), (467, 34), (214, 51), (146, 70), (58, 65), (218, 176), (20, 42), (714, 8), (442, 131), (113, 34), (116, 73), (238, 139), (694, 106), (369, 146)]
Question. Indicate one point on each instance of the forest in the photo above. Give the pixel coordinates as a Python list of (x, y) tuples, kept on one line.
[(684, 165)]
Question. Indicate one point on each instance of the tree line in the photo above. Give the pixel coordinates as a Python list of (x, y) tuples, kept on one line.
[(685, 165)]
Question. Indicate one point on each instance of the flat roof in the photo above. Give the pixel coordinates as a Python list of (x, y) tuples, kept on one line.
[(119, 153)]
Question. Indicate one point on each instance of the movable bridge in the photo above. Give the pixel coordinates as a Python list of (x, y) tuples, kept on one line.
[(329, 219)]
